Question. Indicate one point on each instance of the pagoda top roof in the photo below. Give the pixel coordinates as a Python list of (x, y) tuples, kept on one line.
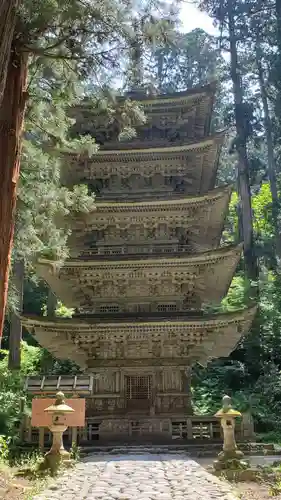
[(173, 97), (155, 100), (193, 339), (170, 116)]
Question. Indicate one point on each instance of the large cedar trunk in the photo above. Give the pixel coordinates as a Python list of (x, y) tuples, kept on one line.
[(11, 121), (8, 10), (241, 147)]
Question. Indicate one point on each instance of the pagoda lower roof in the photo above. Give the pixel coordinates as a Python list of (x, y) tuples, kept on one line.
[(122, 344), (201, 218), (194, 162), (204, 277)]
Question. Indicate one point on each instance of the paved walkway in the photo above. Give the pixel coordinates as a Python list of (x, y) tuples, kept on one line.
[(137, 477)]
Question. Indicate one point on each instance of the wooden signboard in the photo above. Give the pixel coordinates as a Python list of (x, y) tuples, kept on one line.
[(40, 418)]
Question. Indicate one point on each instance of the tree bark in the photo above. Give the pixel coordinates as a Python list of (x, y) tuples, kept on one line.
[(277, 70), (270, 151), (278, 24), (8, 10), (243, 178), (11, 121), (15, 322), (51, 304)]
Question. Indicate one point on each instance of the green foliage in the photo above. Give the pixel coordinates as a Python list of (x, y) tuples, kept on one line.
[(75, 452), (270, 437), (190, 59), (4, 448), (11, 386), (237, 293), (64, 312), (44, 205)]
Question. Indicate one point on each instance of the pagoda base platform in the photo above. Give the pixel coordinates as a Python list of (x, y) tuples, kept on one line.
[(129, 430)]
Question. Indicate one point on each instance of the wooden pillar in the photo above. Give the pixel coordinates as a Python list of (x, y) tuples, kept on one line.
[(186, 387), (117, 381)]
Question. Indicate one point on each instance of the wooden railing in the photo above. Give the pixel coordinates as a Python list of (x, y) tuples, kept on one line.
[(200, 429)]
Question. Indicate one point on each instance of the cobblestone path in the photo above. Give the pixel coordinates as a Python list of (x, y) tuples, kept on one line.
[(137, 477)]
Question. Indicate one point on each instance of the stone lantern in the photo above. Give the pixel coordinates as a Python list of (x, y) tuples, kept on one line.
[(58, 411), (230, 453)]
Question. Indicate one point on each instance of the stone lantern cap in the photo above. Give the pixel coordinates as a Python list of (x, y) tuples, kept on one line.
[(59, 406), (227, 410)]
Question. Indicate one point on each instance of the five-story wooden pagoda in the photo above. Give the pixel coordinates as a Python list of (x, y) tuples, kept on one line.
[(142, 266)]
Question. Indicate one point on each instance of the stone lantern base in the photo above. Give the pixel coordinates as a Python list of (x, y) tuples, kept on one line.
[(226, 459), (233, 466), (53, 461), (237, 474)]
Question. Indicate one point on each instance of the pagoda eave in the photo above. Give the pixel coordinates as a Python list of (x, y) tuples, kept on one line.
[(200, 218), (172, 149), (202, 277), (195, 163), (187, 341)]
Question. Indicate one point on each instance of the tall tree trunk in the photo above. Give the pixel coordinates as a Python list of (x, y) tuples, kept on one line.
[(52, 303), (278, 25), (241, 147), (277, 70), (8, 10), (15, 322), (160, 61), (271, 165), (11, 121)]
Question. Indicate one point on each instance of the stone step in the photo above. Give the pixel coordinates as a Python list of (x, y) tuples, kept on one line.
[(193, 450)]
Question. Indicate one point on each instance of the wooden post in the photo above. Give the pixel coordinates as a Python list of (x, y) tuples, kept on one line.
[(189, 428), (23, 422), (41, 438), (74, 436), (247, 427), (29, 430)]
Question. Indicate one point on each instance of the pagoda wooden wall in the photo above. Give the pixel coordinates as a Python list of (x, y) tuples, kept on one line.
[(170, 391)]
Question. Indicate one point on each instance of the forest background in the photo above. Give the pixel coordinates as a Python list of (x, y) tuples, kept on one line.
[(83, 51)]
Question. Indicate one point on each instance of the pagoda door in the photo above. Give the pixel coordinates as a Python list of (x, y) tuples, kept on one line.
[(138, 392)]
